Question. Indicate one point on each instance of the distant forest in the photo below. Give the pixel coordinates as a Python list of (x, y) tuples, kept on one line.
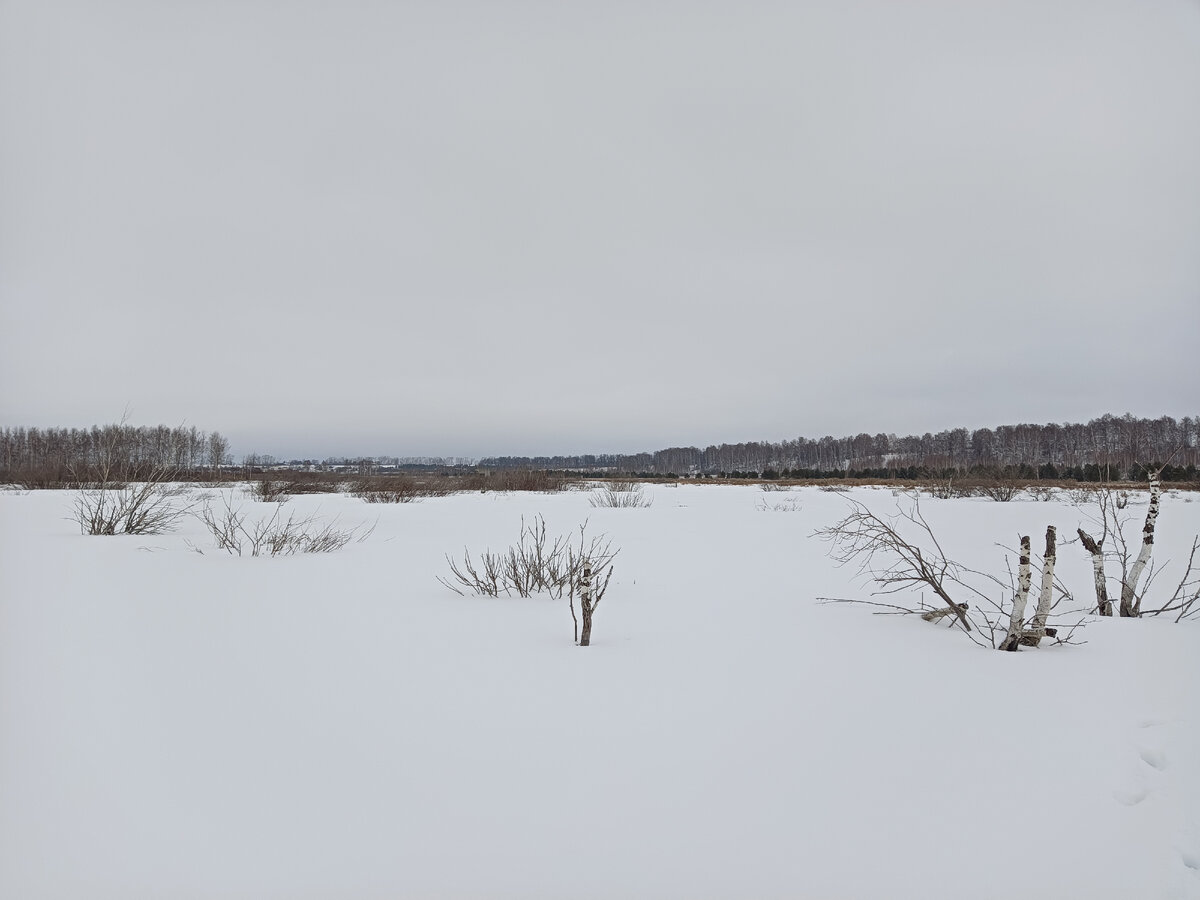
[(45, 457), (1108, 448)]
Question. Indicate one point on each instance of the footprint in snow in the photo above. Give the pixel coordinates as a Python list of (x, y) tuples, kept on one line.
[(1154, 758), (1130, 797)]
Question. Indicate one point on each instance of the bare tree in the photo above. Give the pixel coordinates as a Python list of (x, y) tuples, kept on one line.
[(1186, 598), (590, 595), (1096, 549), (594, 573), (1131, 601), (1112, 519), (1038, 629), (876, 546), (887, 557), (1018, 635), (1017, 620)]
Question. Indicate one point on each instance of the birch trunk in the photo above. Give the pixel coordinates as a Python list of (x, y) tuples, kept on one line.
[(1131, 604), (1103, 604), (1024, 580), (1037, 629), (585, 605)]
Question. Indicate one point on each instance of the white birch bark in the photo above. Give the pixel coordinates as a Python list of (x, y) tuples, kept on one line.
[(1037, 629), (1103, 604), (1024, 580), (1131, 605)]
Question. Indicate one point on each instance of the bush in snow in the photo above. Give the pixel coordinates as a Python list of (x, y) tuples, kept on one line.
[(539, 564), (274, 535), (620, 495), (146, 507)]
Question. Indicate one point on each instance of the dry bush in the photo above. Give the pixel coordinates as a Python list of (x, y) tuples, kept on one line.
[(313, 483), (620, 495), (535, 564), (397, 489), (150, 505), (277, 490), (45, 478), (786, 504), (143, 508), (507, 480), (274, 535), (1084, 495), (269, 491), (524, 480), (998, 490), (943, 488)]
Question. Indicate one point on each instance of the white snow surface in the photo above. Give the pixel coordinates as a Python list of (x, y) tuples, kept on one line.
[(185, 725)]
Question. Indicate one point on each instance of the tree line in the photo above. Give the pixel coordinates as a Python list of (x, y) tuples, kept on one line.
[(42, 457), (1106, 448)]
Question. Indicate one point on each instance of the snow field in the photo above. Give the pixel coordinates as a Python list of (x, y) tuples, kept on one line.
[(176, 724)]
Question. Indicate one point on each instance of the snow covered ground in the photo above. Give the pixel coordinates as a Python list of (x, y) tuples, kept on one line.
[(185, 725)]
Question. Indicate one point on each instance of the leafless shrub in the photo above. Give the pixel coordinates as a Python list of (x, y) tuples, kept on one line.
[(48, 479), (505, 480), (875, 545), (1042, 494), (998, 490), (269, 491), (313, 483), (274, 535), (834, 488), (1186, 599), (279, 489), (537, 563), (943, 488), (787, 504), (398, 489), (620, 495), (152, 506), (623, 487), (1083, 495), (770, 486), (884, 555), (133, 509)]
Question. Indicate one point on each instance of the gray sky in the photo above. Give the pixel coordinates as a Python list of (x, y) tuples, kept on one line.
[(537, 227)]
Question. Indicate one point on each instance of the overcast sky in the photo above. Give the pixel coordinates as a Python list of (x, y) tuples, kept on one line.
[(468, 228)]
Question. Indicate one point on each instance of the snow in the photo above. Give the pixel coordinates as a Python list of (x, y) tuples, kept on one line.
[(184, 725)]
